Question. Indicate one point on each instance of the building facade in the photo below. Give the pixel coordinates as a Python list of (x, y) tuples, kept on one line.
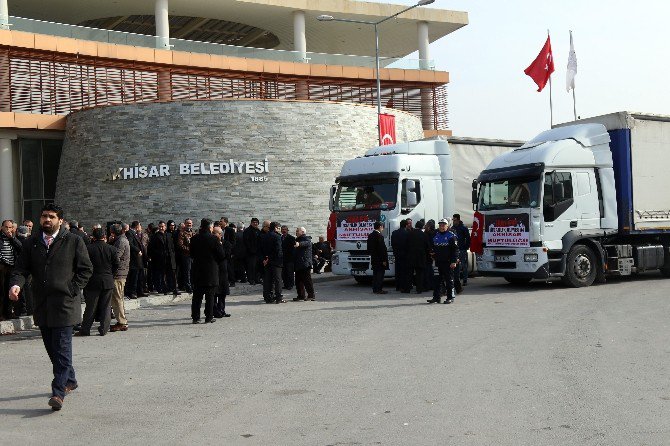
[(92, 98)]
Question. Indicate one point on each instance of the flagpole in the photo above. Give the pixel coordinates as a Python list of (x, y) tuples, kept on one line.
[(551, 105), (574, 101)]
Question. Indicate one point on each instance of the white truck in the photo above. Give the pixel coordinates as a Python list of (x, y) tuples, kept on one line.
[(578, 203), (426, 179)]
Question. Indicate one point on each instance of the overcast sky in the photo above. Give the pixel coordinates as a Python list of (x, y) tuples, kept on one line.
[(622, 55)]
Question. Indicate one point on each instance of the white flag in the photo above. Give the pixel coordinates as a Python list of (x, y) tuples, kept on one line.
[(572, 67)]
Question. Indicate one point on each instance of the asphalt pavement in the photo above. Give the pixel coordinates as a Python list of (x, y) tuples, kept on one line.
[(503, 365)]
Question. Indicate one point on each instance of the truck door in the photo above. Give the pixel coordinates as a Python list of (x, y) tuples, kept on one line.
[(586, 199), (558, 207), (411, 200)]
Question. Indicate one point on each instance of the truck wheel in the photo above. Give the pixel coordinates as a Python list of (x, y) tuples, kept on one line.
[(665, 271), (518, 280), (363, 279), (581, 268)]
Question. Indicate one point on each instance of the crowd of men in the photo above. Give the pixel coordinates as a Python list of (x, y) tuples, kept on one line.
[(426, 258)]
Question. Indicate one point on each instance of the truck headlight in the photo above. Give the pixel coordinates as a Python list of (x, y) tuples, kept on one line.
[(530, 258)]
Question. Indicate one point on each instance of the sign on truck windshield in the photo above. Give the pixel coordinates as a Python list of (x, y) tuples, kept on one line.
[(356, 226), (509, 194), (366, 195)]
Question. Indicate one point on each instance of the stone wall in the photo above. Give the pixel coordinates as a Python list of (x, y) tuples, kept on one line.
[(305, 144)]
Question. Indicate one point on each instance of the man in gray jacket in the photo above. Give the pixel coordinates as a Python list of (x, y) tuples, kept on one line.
[(59, 264), (123, 255)]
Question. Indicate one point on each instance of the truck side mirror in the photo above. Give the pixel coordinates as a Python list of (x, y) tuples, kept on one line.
[(331, 201), (475, 197), (410, 192)]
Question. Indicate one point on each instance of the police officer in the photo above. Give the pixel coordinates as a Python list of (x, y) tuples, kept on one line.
[(445, 254)]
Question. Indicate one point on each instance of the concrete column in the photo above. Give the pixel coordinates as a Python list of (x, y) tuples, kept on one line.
[(424, 64), (300, 47), (7, 196), (162, 25), (4, 15)]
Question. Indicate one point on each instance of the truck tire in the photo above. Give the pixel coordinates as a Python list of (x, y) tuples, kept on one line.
[(518, 280), (665, 271), (365, 280), (581, 268)]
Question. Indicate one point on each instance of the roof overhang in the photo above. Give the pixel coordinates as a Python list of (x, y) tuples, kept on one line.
[(398, 37)]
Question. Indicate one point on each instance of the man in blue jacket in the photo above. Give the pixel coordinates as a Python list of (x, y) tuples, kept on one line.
[(445, 254)]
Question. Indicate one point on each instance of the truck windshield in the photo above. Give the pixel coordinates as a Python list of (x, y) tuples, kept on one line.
[(510, 193), (364, 195)]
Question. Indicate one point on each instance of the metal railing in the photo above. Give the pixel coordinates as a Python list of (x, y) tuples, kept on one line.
[(141, 40)]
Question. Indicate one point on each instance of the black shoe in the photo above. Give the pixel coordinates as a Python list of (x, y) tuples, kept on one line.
[(434, 301), (210, 321), (465, 283), (196, 321), (76, 327), (132, 296), (142, 295), (448, 301), (298, 299), (280, 301), (225, 314)]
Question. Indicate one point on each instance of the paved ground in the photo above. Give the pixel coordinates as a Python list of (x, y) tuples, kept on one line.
[(503, 365)]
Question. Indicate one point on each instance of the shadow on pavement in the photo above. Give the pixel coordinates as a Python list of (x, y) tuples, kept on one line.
[(25, 397)]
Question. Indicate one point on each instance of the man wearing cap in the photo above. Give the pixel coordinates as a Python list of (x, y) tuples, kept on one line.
[(445, 253)]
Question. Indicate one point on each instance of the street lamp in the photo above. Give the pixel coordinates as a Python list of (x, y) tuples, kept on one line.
[(330, 18)]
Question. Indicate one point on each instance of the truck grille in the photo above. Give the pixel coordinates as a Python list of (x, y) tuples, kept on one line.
[(360, 265), (504, 265)]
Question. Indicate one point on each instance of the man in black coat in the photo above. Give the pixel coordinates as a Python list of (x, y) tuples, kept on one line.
[(74, 228), (322, 254), (229, 236), (207, 253), (161, 253), (98, 290), (223, 289), (302, 259), (240, 257), (288, 247), (250, 238), (273, 262), (399, 246), (379, 259), (59, 264), (10, 249), (418, 249), (136, 262)]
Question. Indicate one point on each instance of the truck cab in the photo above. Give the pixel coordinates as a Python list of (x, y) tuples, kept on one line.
[(389, 183)]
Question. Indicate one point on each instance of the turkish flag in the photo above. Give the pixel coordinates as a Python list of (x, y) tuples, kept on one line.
[(541, 68), (386, 129), (477, 235)]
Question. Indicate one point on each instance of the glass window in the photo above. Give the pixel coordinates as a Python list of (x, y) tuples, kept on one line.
[(51, 151), (365, 195), (557, 188), (40, 159), (508, 194), (414, 187), (31, 168)]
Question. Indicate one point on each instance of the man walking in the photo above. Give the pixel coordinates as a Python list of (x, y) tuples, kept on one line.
[(379, 259), (98, 291), (207, 253), (445, 253), (59, 264), (122, 247), (10, 248)]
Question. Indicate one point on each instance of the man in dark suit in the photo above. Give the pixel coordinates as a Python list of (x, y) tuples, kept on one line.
[(98, 290), (379, 259), (250, 238), (207, 253), (288, 247), (136, 263), (229, 235), (273, 262), (59, 264), (399, 246), (418, 249)]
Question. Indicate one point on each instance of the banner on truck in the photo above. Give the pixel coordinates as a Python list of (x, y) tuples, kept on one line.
[(355, 226), (507, 230)]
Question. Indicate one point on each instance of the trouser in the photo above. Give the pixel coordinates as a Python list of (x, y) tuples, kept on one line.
[(377, 279), (117, 301), (185, 273), (158, 278), (141, 281), (428, 278), (252, 260), (287, 275), (58, 343), (131, 282), (220, 304), (272, 282), (98, 303), (170, 279), (401, 274), (444, 275), (318, 265), (5, 304), (26, 295), (463, 266), (198, 293), (416, 274), (240, 271), (231, 271), (303, 282)]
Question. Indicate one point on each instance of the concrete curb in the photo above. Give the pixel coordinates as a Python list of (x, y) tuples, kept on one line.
[(26, 322)]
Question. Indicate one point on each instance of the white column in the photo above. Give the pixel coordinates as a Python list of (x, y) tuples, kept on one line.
[(299, 39), (162, 25), (424, 44), (4, 15), (6, 180)]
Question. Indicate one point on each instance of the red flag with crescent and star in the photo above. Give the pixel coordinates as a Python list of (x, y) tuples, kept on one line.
[(541, 68), (386, 129)]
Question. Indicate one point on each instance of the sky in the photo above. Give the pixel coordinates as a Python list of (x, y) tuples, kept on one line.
[(622, 57)]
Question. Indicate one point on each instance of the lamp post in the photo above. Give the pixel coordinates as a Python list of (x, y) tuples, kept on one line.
[(330, 18)]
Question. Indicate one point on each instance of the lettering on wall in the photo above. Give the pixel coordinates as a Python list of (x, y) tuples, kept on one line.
[(255, 169)]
